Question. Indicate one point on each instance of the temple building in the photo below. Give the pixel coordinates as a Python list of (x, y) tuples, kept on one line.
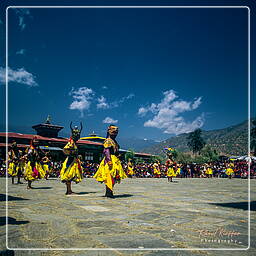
[(47, 129)]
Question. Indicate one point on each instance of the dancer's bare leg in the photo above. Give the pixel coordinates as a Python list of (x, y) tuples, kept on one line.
[(69, 190), (29, 184)]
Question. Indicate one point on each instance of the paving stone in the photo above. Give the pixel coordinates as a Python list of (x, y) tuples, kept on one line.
[(133, 241), (95, 208), (145, 213)]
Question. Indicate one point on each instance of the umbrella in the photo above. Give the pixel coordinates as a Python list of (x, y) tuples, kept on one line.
[(233, 158), (247, 158)]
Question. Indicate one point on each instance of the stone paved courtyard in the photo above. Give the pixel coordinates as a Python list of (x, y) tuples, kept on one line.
[(145, 213)]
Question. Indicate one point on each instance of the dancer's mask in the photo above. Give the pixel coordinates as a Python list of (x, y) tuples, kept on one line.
[(113, 130)]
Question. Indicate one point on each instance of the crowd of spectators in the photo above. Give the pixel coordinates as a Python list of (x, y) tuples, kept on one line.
[(193, 170), (146, 170)]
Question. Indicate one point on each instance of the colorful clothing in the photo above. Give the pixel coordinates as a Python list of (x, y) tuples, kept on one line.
[(33, 168), (110, 170), (46, 167), (33, 171), (13, 155), (171, 172), (46, 164), (130, 169), (12, 169), (21, 166), (71, 169), (156, 169), (209, 171), (229, 171)]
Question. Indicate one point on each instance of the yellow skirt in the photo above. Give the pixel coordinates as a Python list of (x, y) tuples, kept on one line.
[(30, 175), (12, 169), (209, 171), (156, 171), (105, 174), (130, 171), (46, 167), (171, 172), (71, 173), (21, 167), (229, 171), (178, 171)]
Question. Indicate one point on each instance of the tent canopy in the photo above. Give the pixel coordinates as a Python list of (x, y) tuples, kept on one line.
[(51, 148)]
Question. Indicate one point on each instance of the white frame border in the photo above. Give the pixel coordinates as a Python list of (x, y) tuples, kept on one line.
[(132, 249)]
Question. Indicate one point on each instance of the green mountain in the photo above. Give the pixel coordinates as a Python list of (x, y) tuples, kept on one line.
[(232, 140)]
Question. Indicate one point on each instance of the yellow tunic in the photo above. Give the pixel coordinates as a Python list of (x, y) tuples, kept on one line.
[(46, 167), (73, 172), (157, 171), (12, 169), (229, 171), (209, 171), (130, 170), (171, 172)]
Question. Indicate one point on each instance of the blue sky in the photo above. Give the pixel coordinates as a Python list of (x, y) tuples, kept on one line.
[(154, 72)]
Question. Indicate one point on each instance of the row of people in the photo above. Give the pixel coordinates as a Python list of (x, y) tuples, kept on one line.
[(35, 163), (238, 169), (171, 169)]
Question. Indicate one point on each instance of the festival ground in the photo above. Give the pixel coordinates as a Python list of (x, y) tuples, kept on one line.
[(145, 213)]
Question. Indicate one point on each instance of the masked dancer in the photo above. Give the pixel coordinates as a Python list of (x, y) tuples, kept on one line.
[(45, 164), (209, 171), (33, 168), (130, 171), (229, 171), (110, 170), (71, 169), (14, 161), (170, 166), (21, 165), (156, 168)]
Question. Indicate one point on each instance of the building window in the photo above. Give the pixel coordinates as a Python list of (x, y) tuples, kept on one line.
[(88, 156)]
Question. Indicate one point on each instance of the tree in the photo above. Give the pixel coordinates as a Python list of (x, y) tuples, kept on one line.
[(207, 152), (195, 141), (201, 159), (154, 159), (129, 155), (253, 137), (174, 154), (183, 158)]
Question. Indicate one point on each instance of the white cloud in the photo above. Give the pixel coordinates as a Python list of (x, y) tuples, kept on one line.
[(142, 111), (122, 100), (21, 52), (130, 96), (167, 114), (197, 103), (20, 76), (109, 120), (22, 13), (82, 99), (102, 104), (104, 87)]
